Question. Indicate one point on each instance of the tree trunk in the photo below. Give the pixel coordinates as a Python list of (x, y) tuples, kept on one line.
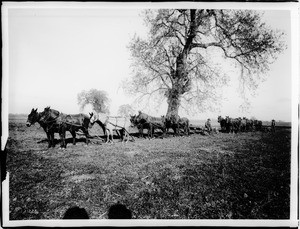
[(181, 82), (172, 116), (173, 103)]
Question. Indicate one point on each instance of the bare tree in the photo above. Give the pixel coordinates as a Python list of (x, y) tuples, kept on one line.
[(97, 98), (125, 110), (176, 61)]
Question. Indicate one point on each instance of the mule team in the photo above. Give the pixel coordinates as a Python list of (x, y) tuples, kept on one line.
[(235, 125), (53, 121)]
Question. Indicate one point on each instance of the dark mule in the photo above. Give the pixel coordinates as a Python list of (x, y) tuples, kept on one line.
[(141, 122), (184, 123), (34, 117), (232, 125), (177, 123), (222, 122), (63, 122), (243, 126), (249, 125), (172, 121), (257, 124), (152, 122)]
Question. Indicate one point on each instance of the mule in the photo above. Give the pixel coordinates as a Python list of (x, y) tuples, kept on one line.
[(60, 122), (222, 122), (141, 122), (110, 124), (243, 124), (232, 125), (34, 117), (172, 121), (257, 124), (249, 125), (184, 123), (151, 122)]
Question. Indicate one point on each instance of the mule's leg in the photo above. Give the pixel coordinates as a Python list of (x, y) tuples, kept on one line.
[(122, 134), (126, 135), (112, 135), (87, 135), (107, 135), (150, 130), (52, 139), (164, 132), (73, 133), (62, 135), (49, 139), (175, 131), (141, 130)]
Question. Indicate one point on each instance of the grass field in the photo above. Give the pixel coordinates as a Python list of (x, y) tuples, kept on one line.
[(220, 176)]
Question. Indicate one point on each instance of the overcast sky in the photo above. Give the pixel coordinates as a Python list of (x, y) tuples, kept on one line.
[(56, 53)]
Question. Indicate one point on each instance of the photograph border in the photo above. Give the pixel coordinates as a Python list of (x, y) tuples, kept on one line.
[(293, 7)]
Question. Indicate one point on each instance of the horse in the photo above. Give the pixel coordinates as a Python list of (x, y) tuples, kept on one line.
[(60, 122), (151, 122), (110, 124), (34, 117)]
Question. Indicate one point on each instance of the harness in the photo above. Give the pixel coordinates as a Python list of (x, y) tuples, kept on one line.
[(115, 125), (60, 122)]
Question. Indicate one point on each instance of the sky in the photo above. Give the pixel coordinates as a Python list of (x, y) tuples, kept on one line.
[(55, 53)]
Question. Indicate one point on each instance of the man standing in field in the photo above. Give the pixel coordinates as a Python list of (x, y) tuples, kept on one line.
[(208, 126), (273, 125)]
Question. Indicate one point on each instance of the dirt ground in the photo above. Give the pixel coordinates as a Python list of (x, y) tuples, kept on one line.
[(218, 176)]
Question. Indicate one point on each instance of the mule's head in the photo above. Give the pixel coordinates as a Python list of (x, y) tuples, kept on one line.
[(220, 118), (133, 120), (32, 118), (138, 118), (93, 118)]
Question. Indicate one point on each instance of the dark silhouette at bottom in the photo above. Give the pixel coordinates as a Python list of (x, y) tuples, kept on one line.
[(119, 211), (76, 213)]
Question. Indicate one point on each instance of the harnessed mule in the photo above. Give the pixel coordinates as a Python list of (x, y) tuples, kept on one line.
[(59, 122), (177, 123), (151, 122), (34, 117), (141, 123), (171, 121), (232, 124), (222, 122), (257, 124), (112, 123), (184, 123)]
